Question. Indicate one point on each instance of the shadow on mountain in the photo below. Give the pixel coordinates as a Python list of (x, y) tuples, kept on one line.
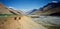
[(55, 14)]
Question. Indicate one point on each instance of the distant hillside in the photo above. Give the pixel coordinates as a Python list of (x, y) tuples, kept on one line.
[(49, 9), (15, 11), (32, 11), (5, 10)]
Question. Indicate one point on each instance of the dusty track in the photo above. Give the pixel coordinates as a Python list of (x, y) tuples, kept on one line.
[(24, 22), (27, 23)]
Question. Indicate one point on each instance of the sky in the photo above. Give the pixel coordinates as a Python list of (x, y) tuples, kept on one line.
[(25, 5)]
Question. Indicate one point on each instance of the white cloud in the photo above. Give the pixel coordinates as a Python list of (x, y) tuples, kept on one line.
[(55, 1)]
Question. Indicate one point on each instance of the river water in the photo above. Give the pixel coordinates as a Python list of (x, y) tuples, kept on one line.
[(50, 22)]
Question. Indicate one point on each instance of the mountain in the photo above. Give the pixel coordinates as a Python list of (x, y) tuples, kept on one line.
[(50, 9), (31, 11), (5, 10), (15, 11)]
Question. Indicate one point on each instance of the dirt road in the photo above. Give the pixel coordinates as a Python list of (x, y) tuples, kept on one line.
[(27, 23)]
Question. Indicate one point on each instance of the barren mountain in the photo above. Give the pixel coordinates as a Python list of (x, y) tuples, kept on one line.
[(49, 9), (5, 10)]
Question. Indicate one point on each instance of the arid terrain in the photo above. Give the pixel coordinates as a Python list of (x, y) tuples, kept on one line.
[(18, 22), (47, 17)]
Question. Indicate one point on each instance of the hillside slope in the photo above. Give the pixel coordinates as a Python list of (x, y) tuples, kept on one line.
[(49, 9)]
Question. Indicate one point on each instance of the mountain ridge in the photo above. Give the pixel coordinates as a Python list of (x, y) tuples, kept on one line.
[(5, 10), (48, 9)]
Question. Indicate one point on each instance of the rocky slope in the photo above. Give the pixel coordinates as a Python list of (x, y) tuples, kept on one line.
[(5, 10), (50, 9)]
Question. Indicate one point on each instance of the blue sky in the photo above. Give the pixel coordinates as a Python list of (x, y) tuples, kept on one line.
[(25, 5)]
